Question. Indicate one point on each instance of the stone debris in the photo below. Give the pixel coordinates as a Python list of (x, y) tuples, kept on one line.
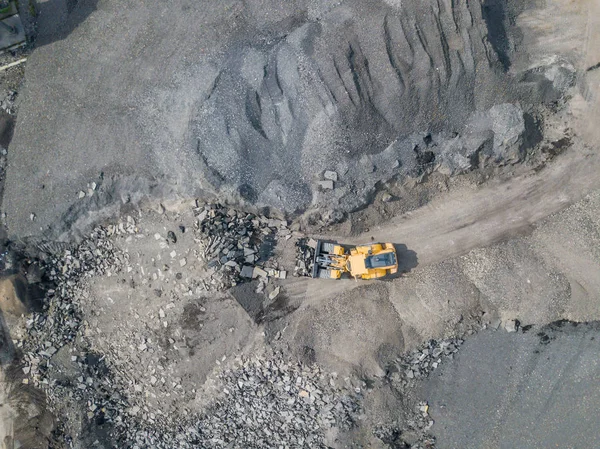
[(420, 362), (512, 325), (8, 103), (115, 383), (274, 294), (330, 175), (247, 271), (403, 374), (305, 254), (266, 402), (412, 436), (386, 197), (230, 242), (326, 185), (259, 272), (491, 319), (53, 332)]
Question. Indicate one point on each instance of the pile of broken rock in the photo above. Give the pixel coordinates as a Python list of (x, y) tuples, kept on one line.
[(305, 254), (53, 342), (237, 244), (259, 400), (264, 402), (420, 362)]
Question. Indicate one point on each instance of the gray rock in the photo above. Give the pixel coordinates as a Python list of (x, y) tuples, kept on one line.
[(508, 126), (511, 325), (274, 294), (326, 185), (259, 272), (331, 175)]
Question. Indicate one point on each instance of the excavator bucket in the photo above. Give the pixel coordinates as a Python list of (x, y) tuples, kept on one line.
[(329, 260)]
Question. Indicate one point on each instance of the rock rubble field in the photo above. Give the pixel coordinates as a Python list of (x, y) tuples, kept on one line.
[(124, 347)]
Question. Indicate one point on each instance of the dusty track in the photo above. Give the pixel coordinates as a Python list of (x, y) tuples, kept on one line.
[(465, 219), (452, 226)]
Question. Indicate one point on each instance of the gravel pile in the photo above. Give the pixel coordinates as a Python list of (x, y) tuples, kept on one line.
[(421, 362), (237, 245), (60, 320)]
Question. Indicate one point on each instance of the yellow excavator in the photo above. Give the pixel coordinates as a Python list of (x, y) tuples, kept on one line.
[(334, 261)]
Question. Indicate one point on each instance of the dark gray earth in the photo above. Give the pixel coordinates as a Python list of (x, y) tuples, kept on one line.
[(520, 390), (253, 101)]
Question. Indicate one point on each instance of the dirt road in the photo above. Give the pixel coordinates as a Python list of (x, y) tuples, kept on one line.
[(463, 220), (467, 219)]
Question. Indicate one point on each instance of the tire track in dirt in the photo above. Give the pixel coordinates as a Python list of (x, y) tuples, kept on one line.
[(466, 219)]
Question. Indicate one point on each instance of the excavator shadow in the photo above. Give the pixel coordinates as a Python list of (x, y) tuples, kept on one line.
[(407, 260)]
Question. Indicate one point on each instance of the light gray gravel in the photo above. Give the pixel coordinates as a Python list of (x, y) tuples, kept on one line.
[(520, 390)]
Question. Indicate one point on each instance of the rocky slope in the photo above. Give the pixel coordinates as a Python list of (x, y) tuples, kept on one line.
[(255, 107)]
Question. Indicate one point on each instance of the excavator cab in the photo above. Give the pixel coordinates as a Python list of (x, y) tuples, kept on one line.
[(381, 260)]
